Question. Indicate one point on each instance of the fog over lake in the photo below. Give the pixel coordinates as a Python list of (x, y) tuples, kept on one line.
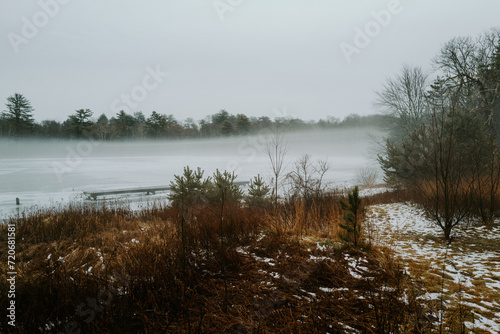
[(43, 173)]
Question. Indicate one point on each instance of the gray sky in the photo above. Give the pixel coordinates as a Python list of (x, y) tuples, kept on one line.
[(303, 58)]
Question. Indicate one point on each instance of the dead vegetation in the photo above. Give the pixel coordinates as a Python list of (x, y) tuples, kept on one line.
[(110, 270)]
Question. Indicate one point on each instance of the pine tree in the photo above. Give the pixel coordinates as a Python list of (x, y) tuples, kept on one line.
[(189, 189), (220, 117), (18, 116), (224, 191), (227, 128), (242, 124), (257, 192), (124, 124), (223, 188), (156, 125), (351, 216), (80, 122)]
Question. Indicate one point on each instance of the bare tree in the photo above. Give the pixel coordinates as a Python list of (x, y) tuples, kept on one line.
[(403, 98), (471, 68), (449, 193), (276, 148), (442, 173)]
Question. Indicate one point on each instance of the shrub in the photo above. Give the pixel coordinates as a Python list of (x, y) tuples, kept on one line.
[(367, 176), (306, 180)]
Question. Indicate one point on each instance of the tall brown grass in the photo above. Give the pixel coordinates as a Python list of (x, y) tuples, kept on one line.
[(102, 269)]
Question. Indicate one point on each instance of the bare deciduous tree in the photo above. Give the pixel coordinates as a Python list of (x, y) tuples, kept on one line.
[(276, 148), (469, 65), (403, 98), (445, 185)]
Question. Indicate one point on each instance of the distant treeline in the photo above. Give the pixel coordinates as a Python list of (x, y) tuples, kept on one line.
[(17, 121)]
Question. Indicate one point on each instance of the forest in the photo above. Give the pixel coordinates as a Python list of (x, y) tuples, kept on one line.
[(17, 120)]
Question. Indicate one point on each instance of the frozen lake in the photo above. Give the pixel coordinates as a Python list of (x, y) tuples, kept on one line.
[(43, 173)]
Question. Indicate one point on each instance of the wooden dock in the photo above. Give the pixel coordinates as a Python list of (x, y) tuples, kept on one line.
[(147, 190)]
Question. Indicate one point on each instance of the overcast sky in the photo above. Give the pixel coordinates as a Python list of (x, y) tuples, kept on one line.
[(300, 58)]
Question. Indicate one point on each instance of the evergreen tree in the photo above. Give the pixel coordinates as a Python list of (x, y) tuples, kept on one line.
[(80, 122), (139, 128), (352, 218), (156, 125), (207, 129), (242, 124), (139, 117), (258, 192), (18, 117), (220, 117), (189, 189), (51, 129), (227, 128), (222, 188), (124, 124)]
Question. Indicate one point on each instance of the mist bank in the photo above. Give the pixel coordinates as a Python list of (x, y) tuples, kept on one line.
[(41, 172), (320, 141)]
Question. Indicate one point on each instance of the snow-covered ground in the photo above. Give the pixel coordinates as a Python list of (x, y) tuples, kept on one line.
[(372, 191), (471, 262)]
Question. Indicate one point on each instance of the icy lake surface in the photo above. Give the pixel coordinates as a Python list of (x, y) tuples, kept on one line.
[(43, 173)]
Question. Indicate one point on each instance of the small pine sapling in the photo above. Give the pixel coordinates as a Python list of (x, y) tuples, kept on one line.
[(257, 192), (188, 190), (223, 188), (351, 216)]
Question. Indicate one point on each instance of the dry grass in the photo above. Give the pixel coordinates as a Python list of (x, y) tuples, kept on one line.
[(106, 270)]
